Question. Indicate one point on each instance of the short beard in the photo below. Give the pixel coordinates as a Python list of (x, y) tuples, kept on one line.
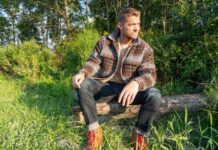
[(132, 37)]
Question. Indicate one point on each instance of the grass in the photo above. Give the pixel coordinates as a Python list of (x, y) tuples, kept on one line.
[(39, 116), (36, 116)]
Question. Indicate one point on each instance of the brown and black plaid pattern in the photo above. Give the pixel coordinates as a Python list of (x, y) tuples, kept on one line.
[(137, 62)]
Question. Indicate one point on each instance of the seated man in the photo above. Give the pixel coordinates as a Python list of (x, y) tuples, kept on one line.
[(121, 68)]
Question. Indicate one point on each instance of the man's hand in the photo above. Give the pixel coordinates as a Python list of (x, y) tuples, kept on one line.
[(77, 80), (128, 93)]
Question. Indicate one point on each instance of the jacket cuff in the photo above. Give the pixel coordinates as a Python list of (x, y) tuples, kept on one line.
[(84, 72), (140, 81)]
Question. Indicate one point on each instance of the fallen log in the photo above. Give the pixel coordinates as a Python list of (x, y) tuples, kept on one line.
[(113, 110)]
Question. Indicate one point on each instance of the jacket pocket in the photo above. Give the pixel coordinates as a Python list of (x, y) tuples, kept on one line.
[(108, 64)]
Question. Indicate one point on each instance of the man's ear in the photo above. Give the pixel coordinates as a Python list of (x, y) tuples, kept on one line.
[(119, 25)]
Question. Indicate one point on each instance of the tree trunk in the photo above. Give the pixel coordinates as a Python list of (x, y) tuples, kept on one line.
[(108, 17), (87, 9), (65, 14), (113, 110)]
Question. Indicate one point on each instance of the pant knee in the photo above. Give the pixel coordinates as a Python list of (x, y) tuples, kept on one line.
[(85, 90), (154, 93), (153, 98), (85, 84)]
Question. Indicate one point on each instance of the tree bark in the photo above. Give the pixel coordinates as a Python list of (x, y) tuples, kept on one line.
[(113, 110), (65, 14), (164, 16), (87, 9), (108, 17)]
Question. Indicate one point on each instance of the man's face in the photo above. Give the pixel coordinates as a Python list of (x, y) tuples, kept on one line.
[(130, 27)]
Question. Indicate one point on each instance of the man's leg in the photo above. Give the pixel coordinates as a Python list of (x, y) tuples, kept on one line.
[(91, 91), (87, 101), (150, 101)]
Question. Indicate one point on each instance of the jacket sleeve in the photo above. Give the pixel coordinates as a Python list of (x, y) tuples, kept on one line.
[(147, 70), (92, 65)]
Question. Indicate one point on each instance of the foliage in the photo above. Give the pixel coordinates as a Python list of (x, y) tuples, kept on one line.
[(212, 89), (76, 51), (189, 50), (185, 61), (28, 60), (45, 21), (185, 131)]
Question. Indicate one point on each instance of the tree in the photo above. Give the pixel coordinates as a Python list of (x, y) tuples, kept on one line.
[(9, 10), (43, 20)]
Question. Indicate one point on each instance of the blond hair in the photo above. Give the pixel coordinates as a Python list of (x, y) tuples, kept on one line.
[(123, 14)]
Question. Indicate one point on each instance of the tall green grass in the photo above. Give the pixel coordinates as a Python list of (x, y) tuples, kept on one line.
[(39, 116)]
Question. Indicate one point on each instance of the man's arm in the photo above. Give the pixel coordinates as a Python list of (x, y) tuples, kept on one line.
[(77, 80), (128, 93), (91, 66), (146, 79), (147, 71)]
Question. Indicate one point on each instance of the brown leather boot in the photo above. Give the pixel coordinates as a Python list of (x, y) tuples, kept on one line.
[(94, 139), (138, 141)]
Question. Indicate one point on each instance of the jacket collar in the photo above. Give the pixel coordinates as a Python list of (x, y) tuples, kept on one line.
[(115, 34)]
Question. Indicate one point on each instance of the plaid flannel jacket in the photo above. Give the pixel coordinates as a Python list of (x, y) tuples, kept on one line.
[(137, 63)]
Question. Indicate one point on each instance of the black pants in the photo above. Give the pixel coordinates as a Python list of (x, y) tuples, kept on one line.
[(92, 91)]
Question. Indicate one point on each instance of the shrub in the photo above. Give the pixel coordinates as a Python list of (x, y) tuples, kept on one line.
[(28, 60), (188, 55), (76, 51), (212, 89), (188, 49)]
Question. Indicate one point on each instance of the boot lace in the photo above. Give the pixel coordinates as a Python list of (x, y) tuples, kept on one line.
[(91, 137), (141, 144)]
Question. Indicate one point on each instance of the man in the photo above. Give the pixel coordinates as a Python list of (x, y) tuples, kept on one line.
[(120, 68)]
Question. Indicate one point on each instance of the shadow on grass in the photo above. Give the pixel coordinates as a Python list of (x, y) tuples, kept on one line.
[(55, 98)]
